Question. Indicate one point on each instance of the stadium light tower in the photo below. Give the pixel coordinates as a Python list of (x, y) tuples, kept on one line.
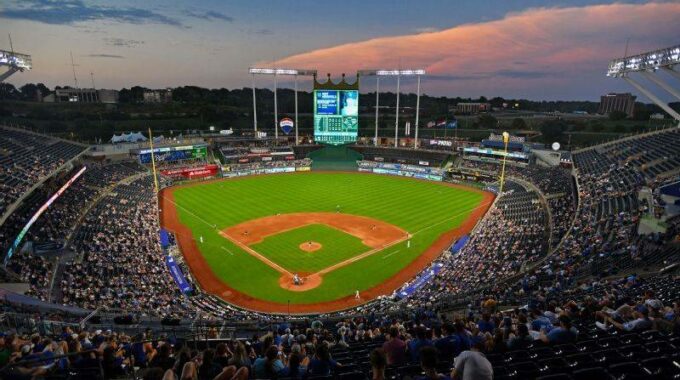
[(14, 62), (647, 64), (276, 72), (398, 73)]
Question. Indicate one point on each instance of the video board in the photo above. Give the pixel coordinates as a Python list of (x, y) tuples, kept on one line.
[(336, 116), (174, 153)]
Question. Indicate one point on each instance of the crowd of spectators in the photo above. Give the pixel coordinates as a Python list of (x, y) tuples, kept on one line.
[(56, 223), (26, 158), (120, 269), (595, 327)]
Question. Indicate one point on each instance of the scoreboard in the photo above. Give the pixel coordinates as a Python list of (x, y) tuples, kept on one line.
[(336, 116)]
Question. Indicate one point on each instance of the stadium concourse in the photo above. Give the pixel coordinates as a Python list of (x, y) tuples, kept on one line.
[(559, 280)]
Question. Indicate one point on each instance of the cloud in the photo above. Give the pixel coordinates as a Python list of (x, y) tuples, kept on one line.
[(208, 15), (68, 12), (121, 42), (104, 56), (556, 48), (426, 29)]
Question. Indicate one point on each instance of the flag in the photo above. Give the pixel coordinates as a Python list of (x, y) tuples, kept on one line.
[(452, 124), (441, 123), (430, 124)]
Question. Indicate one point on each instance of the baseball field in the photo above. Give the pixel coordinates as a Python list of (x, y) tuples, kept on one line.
[(307, 242)]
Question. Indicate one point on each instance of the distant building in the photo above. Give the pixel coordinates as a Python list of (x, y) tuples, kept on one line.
[(617, 102), (82, 95), (158, 96), (108, 96), (472, 108)]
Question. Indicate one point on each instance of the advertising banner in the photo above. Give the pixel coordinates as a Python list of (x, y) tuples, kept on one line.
[(177, 275), (191, 173)]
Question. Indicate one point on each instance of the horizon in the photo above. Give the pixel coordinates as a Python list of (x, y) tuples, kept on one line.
[(521, 50)]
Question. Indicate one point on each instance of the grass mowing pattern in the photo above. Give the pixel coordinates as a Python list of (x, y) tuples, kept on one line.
[(284, 248), (424, 209)]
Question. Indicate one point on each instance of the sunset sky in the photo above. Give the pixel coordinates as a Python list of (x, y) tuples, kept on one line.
[(524, 49)]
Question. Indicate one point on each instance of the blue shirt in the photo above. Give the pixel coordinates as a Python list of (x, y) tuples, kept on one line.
[(486, 326), (414, 347), (541, 323), (448, 347), (321, 367), (260, 368), (560, 335)]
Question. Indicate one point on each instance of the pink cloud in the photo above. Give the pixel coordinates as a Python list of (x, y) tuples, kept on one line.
[(520, 53)]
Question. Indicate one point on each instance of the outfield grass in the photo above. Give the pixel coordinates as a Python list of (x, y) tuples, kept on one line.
[(336, 246), (424, 209)]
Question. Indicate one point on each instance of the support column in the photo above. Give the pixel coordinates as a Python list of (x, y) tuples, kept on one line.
[(673, 72), (276, 113), (396, 121), (662, 84), (254, 106), (415, 142), (377, 108), (653, 98), (296, 111)]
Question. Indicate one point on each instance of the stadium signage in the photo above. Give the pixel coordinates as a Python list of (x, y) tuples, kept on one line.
[(492, 152), (37, 214), (441, 142), (286, 125), (190, 173)]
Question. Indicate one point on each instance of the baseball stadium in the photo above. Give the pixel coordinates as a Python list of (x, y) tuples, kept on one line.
[(336, 229)]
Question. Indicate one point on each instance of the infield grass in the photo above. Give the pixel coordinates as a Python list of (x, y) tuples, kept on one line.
[(424, 209)]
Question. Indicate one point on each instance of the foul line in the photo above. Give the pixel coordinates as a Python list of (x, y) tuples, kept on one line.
[(388, 255), (333, 267), (253, 252), (227, 251), (373, 251), (359, 257)]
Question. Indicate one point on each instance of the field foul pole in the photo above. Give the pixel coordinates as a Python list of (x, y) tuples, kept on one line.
[(153, 162)]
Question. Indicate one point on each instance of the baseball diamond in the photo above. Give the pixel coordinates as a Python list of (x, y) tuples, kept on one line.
[(306, 242)]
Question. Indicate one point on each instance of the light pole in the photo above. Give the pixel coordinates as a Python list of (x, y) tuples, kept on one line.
[(276, 72), (398, 74), (396, 117), (254, 106), (377, 108)]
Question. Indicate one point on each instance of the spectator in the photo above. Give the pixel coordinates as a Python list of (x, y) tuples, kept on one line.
[(322, 364), (565, 333), (472, 365), (395, 348), (269, 366)]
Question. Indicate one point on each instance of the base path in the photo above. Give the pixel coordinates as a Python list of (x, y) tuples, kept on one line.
[(210, 283), (372, 232)]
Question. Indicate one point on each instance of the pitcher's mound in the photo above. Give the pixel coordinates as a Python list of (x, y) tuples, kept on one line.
[(310, 246)]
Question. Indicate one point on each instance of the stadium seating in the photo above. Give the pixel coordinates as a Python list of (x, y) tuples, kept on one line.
[(555, 244), (26, 158)]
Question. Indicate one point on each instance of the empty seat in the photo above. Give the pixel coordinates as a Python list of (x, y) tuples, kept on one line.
[(662, 368), (628, 370), (579, 361), (594, 373), (525, 370)]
